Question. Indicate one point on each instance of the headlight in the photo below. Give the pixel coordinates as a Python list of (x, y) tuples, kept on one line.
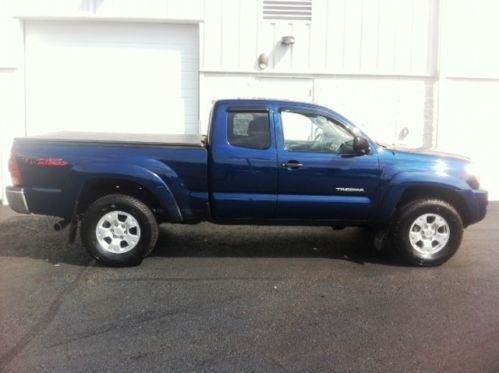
[(473, 176)]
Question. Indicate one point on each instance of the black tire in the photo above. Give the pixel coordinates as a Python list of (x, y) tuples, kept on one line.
[(147, 230), (401, 230)]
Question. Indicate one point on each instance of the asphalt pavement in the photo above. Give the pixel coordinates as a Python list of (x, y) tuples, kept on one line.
[(250, 299)]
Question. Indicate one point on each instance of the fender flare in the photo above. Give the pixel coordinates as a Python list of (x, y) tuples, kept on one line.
[(84, 174), (398, 185)]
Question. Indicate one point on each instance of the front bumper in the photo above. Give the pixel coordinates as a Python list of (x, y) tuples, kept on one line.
[(481, 201), (17, 200)]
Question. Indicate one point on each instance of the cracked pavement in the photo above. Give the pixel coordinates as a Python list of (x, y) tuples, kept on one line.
[(239, 298)]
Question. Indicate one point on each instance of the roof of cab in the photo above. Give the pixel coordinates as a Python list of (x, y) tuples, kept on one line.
[(275, 102), (264, 101)]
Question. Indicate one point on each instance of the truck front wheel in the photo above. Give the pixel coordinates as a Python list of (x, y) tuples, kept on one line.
[(119, 230), (427, 232)]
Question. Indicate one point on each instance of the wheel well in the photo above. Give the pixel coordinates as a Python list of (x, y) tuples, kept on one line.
[(97, 189), (444, 194)]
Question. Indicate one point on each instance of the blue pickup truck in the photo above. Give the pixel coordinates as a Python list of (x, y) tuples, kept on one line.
[(263, 162)]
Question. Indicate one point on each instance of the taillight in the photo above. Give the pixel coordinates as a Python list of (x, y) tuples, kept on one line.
[(15, 174), (51, 162)]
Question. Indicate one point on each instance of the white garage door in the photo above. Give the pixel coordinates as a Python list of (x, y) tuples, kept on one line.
[(111, 77)]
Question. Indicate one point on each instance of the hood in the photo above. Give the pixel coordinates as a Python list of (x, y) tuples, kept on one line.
[(427, 152), (394, 161)]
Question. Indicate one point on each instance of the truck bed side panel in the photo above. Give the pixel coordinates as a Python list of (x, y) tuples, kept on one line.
[(54, 190)]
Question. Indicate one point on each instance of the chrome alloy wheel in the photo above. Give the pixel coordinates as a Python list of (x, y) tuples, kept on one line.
[(118, 232), (429, 234)]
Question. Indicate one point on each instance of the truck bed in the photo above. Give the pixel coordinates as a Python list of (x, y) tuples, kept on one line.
[(171, 167), (118, 138)]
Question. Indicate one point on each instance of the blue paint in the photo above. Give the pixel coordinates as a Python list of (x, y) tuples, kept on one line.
[(224, 183)]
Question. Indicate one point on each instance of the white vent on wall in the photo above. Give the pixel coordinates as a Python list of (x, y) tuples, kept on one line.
[(287, 10)]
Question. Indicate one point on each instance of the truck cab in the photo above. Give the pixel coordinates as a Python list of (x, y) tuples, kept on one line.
[(290, 162)]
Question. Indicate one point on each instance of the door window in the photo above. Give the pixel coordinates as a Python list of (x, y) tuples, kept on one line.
[(249, 130), (307, 132)]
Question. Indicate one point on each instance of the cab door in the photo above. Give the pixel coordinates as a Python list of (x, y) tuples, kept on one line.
[(320, 177), (243, 167)]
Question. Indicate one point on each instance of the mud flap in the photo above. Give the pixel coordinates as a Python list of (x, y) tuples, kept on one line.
[(73, 230), (73, 226), (381, 239)]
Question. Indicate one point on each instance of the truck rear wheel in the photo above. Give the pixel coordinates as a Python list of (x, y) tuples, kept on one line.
[(119, 230), (427, 232)]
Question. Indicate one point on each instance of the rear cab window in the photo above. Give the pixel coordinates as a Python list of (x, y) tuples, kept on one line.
[(249, 129)]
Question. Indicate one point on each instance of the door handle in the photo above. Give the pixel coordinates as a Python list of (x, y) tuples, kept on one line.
[(292, 164)]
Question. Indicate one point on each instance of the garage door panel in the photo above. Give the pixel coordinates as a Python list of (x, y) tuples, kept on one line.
[(119, 77)]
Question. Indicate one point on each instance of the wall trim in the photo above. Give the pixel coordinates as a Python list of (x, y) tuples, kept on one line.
[(312, 75), (98, 18)]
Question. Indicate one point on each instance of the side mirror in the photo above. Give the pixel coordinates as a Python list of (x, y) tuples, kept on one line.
[(361, 145)]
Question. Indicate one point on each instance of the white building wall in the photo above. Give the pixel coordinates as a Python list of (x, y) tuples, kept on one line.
[(468, 115), (383, 106), (383, 37), (11, 91), (386, 64)]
